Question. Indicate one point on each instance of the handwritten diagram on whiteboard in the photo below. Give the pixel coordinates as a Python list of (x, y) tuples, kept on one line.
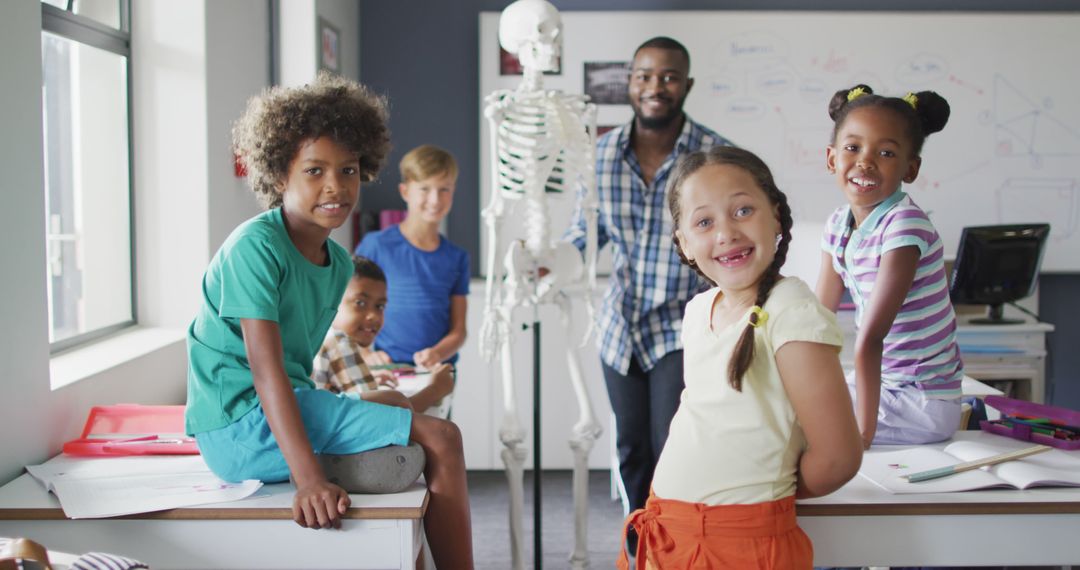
[(1011, 150)]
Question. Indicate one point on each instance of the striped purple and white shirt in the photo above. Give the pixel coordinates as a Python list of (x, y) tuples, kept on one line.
[(920, 347)]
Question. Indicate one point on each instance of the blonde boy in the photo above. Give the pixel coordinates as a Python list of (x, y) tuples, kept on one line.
[(426, 274)]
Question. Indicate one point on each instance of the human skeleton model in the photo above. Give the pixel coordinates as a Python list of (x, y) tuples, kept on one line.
[(541, 142)]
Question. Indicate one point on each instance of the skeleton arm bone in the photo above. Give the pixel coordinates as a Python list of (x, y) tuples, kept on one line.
[(493, 331)]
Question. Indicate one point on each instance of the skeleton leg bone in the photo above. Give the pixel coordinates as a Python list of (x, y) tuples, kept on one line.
[(512, 436), (583, 436)]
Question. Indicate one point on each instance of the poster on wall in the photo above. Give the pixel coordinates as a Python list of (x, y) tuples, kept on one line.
[(328, 47), (608, 82)]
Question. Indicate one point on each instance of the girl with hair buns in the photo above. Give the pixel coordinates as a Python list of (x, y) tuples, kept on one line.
[(765, 416), (882, 248)]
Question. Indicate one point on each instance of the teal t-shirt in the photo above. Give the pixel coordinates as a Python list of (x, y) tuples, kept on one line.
[(257, 274)]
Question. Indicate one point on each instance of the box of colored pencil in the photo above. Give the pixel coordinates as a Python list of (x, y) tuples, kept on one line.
[(1039, 423)]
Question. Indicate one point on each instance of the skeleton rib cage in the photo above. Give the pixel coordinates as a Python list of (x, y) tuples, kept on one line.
[(544, 147)]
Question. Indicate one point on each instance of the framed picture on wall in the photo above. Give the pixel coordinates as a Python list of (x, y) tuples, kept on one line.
[(329, 47)]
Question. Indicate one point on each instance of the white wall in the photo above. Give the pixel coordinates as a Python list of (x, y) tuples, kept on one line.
[(296, 36), (197, 64), (25, 401), (235, 72), (299, 62), (345, 16)]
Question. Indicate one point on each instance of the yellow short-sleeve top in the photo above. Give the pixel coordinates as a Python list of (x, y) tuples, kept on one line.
[(727, 447)]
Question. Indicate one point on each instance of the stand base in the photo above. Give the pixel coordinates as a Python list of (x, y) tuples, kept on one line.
[(993, 321), (996, 317)]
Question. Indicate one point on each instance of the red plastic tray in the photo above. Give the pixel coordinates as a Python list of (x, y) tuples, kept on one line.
[(133, 429)]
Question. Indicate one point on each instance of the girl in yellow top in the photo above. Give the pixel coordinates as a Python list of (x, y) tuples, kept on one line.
[(765, 416)]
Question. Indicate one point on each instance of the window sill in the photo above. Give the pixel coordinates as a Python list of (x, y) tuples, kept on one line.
[(125, 346)]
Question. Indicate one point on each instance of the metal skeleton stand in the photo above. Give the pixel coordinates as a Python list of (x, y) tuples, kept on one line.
[(538, 554), (542, 142)]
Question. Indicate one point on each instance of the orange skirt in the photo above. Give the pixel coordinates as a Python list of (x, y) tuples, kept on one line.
[(674, 535)]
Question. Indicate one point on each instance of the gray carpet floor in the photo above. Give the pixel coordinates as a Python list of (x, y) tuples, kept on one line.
[(489, 499)]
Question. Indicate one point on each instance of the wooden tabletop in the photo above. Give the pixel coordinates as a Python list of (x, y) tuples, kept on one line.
[(26, 499)]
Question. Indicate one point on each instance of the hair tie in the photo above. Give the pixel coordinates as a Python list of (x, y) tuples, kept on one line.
[(855, 94), (757, 316), (911, 99)]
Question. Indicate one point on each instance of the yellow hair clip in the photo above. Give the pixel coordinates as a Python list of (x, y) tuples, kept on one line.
[(855, 93), (757, 316), (911, 99)]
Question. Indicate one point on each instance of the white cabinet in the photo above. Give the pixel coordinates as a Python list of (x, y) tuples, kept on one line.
[(990, 352)]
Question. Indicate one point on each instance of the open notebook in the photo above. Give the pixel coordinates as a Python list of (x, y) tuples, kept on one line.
[(410, 380), (1054, 468)]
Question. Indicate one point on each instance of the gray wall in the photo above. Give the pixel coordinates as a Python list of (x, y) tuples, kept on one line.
[(1059, 305), (427, 62)]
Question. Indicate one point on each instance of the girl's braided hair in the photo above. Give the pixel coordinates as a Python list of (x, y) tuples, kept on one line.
[(743, 354)]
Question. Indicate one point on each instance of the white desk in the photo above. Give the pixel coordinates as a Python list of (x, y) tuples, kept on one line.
[(378, 531), (862, 524), (990, 352)]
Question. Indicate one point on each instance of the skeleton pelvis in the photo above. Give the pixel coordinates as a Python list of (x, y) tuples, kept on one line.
[(560, 264)]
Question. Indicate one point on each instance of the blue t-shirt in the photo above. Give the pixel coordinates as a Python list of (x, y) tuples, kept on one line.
[(419, 286), (257, 274)]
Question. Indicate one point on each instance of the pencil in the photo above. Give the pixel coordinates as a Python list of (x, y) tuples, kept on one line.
[(968, 466)]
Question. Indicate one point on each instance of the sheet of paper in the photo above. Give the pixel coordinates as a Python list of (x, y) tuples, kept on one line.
[(114, 486), (64, 467), (116, 496)]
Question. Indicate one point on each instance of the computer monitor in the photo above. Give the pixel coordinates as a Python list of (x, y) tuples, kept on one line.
[(997, 265)]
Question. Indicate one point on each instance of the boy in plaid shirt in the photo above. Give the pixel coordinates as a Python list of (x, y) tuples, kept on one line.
[(339, 366)]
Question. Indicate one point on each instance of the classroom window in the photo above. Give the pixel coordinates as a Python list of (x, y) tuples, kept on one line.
[(85, 47)]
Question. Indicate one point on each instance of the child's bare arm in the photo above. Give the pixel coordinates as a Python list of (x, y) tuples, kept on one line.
[(814, 383), (374, 357), (894, 278), (452, 342), (387, 397), (830, 286), (318, 503), (442, 383)]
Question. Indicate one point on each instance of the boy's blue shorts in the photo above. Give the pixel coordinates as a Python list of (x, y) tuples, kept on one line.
[(335, 424)]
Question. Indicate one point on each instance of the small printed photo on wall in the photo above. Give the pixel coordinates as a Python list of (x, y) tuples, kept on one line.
[(607, 82), (328, 47)]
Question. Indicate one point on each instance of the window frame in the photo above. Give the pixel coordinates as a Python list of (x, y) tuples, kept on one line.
[(84, 30)]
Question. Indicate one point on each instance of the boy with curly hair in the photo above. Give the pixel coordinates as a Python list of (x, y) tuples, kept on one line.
[(269, 296)]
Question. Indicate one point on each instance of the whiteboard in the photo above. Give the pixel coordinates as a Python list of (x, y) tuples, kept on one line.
[(1010, 153)]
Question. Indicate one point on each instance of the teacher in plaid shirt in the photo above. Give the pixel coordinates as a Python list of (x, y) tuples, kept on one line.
[(641, 316)]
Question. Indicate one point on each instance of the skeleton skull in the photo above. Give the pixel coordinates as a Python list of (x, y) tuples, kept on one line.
[(532, 30)]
